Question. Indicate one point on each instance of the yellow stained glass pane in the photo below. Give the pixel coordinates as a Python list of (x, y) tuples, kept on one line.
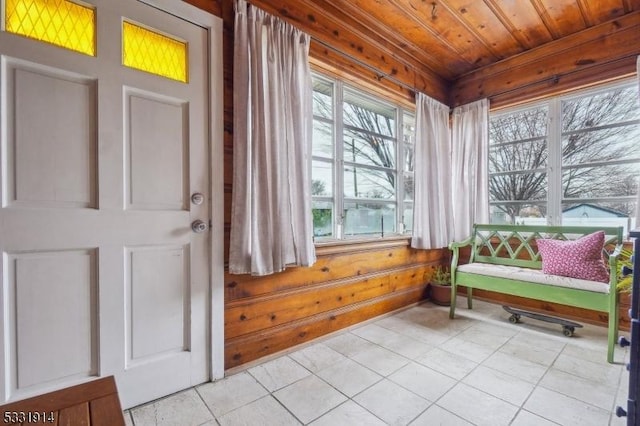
[(60, 22), (153, 52)]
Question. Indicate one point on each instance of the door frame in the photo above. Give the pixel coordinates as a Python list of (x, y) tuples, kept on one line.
[(213, 25)]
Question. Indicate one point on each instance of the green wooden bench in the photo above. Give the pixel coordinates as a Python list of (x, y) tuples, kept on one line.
[(498, 250)]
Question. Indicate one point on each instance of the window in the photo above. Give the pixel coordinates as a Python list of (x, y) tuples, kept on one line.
[(156, 53), (362, 173), (572, 160), (60, 22)]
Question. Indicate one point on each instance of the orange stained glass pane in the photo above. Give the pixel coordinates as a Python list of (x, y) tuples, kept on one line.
[(153, 52), (59, 22)]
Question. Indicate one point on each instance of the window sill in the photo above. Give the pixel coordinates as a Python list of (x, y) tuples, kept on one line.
[(360, 244)]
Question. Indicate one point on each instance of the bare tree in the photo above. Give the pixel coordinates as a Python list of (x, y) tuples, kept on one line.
[(363, 141), (519, 153)]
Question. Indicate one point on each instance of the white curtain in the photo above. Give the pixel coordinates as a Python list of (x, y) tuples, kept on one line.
[(271, 221), (638, 199), (469, 153), (432, 211)]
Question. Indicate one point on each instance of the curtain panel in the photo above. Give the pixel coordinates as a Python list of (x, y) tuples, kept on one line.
[(432, 217), (470, 178), (271, 221)]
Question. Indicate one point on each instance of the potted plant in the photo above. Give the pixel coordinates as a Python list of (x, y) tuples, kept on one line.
[(440, 286)]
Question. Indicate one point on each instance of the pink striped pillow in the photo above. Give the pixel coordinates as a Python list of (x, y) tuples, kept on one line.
[(581, 258)]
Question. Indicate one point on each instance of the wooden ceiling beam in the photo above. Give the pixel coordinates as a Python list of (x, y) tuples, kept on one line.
[(586, 53)]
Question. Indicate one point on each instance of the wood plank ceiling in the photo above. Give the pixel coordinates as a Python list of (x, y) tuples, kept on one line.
[(436, 43), (454, 37)]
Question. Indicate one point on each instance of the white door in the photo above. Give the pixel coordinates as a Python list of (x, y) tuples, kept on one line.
[(101, 271)]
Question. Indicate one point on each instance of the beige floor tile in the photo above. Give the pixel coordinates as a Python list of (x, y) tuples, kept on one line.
[(544, 340), (575, 384), (442, 324), (450, 364), (374, 333), (406, 346), (525, 418), (348, 344), (265, 411), (184, 409), (504, 386), (515, 366), (594, 393), (309, 398), (127, 418), (599, 372), (423, 381), (438, 416), (467, 349), (477, 407), (349, 377), (487, 335), (423, 334), (278, 373), (586, 351), (348, 414), (317, 357), (380, 360), (530, 351), (565, 410), (392, 403), (230, 393)]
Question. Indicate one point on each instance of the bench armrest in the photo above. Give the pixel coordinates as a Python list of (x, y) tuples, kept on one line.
[(613, 265), (455, 248)]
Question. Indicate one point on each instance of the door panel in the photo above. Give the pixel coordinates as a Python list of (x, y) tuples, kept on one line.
[(39, 280), (59, 142), (158, 129), (101, 272)]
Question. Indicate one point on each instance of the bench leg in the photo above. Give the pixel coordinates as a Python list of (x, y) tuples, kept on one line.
[(469, 297), (452, 307), (612, 334)]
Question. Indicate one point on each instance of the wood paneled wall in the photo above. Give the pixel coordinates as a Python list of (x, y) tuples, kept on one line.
[(349, 284), (268, 314)]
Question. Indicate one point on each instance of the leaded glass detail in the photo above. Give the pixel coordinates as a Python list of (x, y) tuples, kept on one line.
[(60, 22), (156, 53)]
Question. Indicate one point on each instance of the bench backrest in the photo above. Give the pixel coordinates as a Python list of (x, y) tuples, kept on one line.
[(515, 245)]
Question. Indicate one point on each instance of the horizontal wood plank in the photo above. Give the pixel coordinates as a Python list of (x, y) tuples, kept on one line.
[(587, 50), (257, 345), (328, 268), (261, 313)]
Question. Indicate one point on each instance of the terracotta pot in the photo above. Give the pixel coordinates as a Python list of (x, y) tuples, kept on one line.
[(440, 294)]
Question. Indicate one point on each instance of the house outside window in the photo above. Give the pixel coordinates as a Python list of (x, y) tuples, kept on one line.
[(362, 171), (570, 160)]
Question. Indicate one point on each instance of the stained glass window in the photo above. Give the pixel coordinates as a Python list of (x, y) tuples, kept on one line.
[(59, 22), (150, 51)]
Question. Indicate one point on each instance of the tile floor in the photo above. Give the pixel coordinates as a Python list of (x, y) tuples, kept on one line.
[(417, 367)]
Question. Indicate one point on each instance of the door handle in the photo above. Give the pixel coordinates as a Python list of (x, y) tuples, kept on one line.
[(199, 226)]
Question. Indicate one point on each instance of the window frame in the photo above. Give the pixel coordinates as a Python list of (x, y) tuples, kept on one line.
[(554, 144), (338, 197)]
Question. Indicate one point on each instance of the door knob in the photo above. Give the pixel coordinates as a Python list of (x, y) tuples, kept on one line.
[(199, 226)]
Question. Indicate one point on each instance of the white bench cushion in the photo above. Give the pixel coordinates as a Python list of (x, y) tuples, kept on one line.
[(532, 275)]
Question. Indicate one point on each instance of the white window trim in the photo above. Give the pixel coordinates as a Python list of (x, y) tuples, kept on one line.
[(553, 170), (338, 198)]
